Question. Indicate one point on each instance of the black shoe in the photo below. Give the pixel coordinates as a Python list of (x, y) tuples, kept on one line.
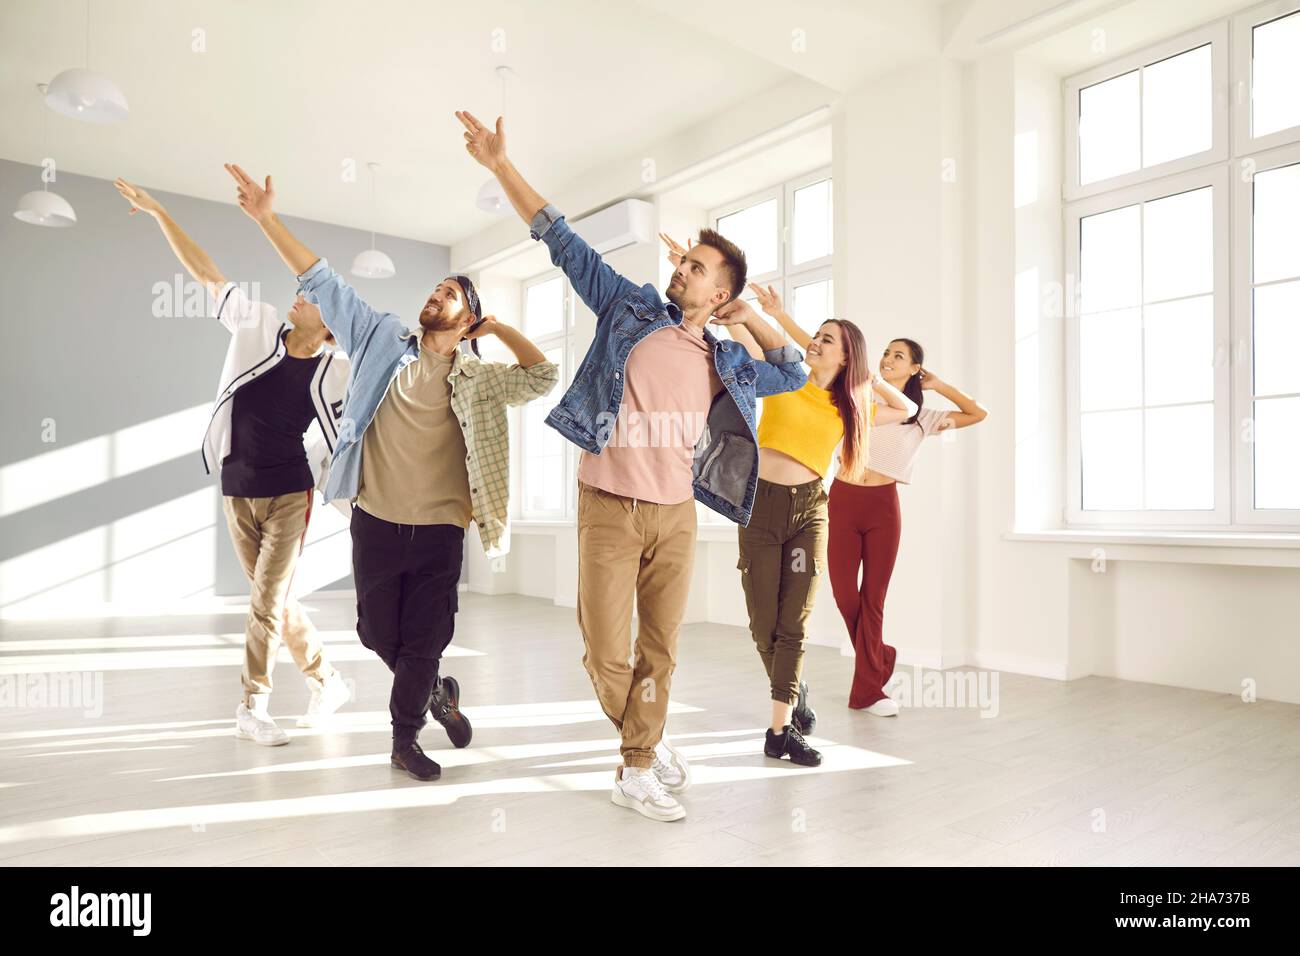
[(411, 758), (444, 707), (804, 718), (791, 744)]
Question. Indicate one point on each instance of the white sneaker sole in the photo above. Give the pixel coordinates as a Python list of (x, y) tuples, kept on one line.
[(280, 742), (618, 798)]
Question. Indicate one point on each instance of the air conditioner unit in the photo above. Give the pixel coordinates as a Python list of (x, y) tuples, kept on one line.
[(619, 225)]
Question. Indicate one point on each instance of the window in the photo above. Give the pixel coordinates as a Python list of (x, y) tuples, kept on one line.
[(1152, 113), (787, 233), (1266, 76), (544, 457), (1181, 391)]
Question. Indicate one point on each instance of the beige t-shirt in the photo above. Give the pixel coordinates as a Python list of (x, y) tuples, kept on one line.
[(893, 448), (413, 454), (669, 385)]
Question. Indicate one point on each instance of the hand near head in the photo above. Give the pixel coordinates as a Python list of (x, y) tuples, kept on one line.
[(140, 200), (675, 251), (736, 312), (929, 380), (487, 326), (768, 299), (485, 145), (255, 200)]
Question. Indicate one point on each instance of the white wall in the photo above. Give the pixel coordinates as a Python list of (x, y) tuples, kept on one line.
[(930, 244)]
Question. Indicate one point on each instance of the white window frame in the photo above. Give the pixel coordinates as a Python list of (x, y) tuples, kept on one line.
[(1242, 343), (1243, 26), (1220, 515), (564, 339), (1229, 167), (787, 275), (1214, 34)]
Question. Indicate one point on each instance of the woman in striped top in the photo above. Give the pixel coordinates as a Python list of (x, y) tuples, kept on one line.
[(865, 523)]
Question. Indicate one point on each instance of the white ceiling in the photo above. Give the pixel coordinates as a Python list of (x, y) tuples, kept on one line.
[(295, 88), (298, 87)]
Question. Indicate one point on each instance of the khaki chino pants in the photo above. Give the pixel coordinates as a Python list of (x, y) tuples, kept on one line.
[(628, 548)]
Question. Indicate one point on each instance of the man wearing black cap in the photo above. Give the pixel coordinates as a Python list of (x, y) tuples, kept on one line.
[(423, 448)]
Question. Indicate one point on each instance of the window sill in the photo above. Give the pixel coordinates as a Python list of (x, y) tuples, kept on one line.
[(1263, 549)]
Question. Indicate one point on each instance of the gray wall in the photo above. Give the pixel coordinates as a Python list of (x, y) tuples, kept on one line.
[(82, 347)]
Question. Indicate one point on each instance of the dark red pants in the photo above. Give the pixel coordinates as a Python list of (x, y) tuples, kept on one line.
[(864, 528)]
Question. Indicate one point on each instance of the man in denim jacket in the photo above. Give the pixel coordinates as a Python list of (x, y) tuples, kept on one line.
[(665, 415)]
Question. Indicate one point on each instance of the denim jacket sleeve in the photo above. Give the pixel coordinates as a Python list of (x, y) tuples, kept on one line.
[(780, 371), (596, 283), (344, 312)]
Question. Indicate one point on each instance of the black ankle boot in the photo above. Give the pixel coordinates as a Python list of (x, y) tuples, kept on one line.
[(409, 757), (444, 707), (791, 744), (804, 718)]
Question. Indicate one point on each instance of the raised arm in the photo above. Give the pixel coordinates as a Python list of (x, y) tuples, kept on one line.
[(256, 201), (781, 368), (191, 255), (344, 313), (770, 302), (531, 376), (596, 283), (971, 413)]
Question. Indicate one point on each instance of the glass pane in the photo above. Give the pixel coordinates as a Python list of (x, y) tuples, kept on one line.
[(754, 229), (1109, 123), (544, 478), (1110, 360), (1178, 351), (812, 222), (1277, 453), (544, 308), (813, 304), (1110, 260), (1178, 245), (1276, 249), (1275, 76), (1277, 339), (1176, 107), (1111, 450), (1180, 458)]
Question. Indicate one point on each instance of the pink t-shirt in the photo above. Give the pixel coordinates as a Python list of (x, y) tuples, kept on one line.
[(892, 450), (669, 385)]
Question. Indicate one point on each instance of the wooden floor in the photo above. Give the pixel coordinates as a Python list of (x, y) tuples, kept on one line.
[(1095, 771)]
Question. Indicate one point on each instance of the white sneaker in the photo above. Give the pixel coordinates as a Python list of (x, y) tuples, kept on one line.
[(639, 789), (327, 697), (255, 724), (671, 767), (884, 708)]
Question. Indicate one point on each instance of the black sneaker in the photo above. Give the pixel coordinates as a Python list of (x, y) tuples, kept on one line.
[(444, 707), (411, 758), (804, 718), (791, 744)]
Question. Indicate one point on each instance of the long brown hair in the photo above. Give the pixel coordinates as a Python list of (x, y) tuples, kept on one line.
[(851, 395)]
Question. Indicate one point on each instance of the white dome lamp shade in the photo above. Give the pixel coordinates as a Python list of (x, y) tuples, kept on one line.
[(86, 95), (371, 263), (43, 208), (492, 198)]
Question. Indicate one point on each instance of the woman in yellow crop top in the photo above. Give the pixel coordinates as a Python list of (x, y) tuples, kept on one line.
[(783, 548)]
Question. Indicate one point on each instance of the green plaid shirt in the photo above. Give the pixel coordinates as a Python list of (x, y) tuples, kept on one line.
[(480, 394)]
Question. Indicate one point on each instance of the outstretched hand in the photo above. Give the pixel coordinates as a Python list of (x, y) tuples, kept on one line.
[(768, 299), (675, 250), (140, 200), (255, 200), (487, 146)]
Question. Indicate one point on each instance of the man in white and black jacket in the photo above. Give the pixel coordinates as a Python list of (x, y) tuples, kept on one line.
[(280, 381)]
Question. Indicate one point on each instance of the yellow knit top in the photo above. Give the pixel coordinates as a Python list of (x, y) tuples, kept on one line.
[(804, 424)]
